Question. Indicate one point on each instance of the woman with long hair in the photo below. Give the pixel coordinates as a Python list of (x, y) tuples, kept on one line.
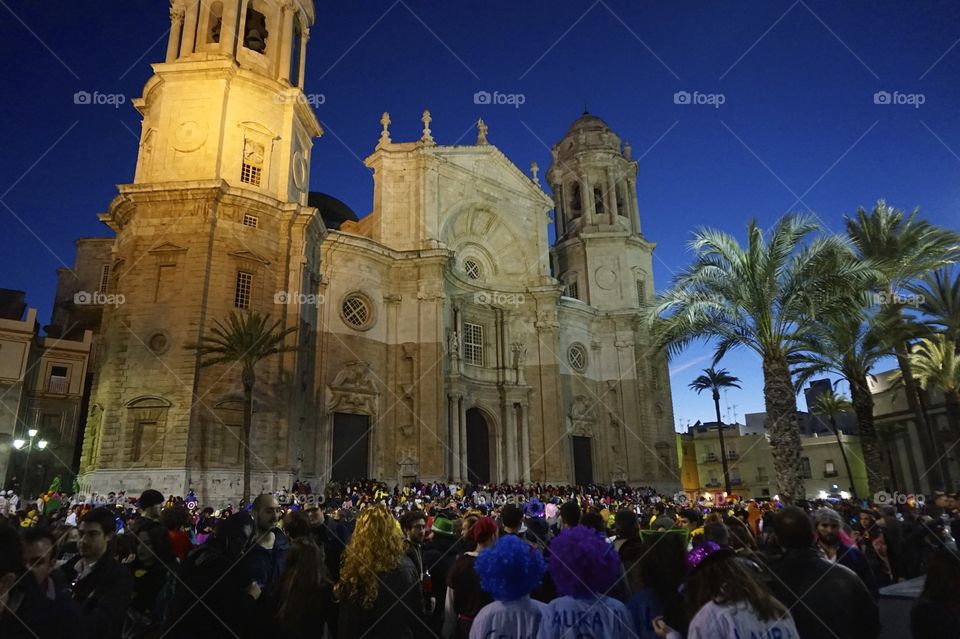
[(305, 592), (379, 587), (725, 601), (937, 612), (655, 580)]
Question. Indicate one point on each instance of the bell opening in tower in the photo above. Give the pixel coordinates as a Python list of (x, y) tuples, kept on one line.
[(255, 31)]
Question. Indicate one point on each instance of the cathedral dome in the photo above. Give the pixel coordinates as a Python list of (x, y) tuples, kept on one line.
[(588, 132)]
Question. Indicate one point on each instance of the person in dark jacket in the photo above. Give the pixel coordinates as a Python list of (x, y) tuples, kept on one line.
[(937, 612), (25, 613), (102, 586), (379, 587), (305, 593), (827, 600), (267, 556), (438, 556), (828, 523)]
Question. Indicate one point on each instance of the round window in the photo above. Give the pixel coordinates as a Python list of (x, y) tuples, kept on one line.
[(577, 356), (472, 269), (356, 311)]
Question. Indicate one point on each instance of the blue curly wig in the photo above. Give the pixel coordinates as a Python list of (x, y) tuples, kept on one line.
[(511, 569), (582, 563)]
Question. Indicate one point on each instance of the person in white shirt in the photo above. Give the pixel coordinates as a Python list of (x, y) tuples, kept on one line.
[(509, 571), (727, 601), (584, 568)]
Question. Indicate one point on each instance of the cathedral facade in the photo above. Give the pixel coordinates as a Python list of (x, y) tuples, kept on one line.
[(442, 336)]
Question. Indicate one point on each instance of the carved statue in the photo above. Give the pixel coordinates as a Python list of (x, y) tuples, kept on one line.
[(455, 345), (481, 132)]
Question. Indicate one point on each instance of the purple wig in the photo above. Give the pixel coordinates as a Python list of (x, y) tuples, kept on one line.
[(511, 569), (582, 563)]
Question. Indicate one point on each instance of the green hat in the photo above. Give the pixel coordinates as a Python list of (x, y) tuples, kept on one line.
[(442, 526)]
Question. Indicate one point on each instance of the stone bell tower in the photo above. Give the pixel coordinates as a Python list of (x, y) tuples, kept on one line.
[(600, 254), (215, 221)]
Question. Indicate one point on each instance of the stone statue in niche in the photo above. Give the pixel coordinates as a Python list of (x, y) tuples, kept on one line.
[(519, 355), (454, 345)]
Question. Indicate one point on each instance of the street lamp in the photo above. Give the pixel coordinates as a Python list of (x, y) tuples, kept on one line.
[(20, 444)]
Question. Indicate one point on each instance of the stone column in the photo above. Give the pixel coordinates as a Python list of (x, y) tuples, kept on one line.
[(176, 31), (190, 28), (631, 202), (522, 424), (611, 197), (586, 201), (453, 413), (462, 419), (228, 27), (303, 55), (286, 41), (511, 444)]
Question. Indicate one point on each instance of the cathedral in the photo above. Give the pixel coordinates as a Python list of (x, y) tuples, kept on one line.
[(441, 336)]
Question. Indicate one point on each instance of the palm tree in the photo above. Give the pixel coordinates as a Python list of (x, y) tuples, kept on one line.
[(713, 380), (830, 405), (848, 343), (903, 248), (937, 366), (758, 297), (244, 340), (937, 298)]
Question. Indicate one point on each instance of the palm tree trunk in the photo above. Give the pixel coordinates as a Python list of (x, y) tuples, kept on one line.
[(783, 427), (862, 402), (248, 382), (843, 453), (927, 441), (723, 447), (943, 464)]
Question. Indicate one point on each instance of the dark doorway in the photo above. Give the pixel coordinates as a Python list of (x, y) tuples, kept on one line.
[(582, 461), (478, 448), (351, 446)]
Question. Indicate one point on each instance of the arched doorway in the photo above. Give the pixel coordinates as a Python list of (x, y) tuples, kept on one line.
[(478, 447)]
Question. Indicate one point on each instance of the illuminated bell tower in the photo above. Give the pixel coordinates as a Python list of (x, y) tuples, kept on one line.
[(215, 221)]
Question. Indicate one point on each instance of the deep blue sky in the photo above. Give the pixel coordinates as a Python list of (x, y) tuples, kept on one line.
[(798, 121)]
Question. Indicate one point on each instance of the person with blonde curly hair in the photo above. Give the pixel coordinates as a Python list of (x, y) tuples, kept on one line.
[(379, 587)]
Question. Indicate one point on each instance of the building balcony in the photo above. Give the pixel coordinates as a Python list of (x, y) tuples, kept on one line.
[(712, 484), (710, 457), (735, 481), (763, 478), (57, 386), (830, 473), (732, 454)]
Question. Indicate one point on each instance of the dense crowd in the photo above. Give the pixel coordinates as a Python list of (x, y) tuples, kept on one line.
[(363, 559)]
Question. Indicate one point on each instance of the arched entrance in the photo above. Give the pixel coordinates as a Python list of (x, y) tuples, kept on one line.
[(478, 447)]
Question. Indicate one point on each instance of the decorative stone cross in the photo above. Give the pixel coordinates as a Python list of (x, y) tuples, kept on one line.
[(385, 134), (426, 137), (627, 149), (535, 170), (481, 132)]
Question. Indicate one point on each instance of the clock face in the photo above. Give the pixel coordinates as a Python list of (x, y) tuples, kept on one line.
[(605, 277), (300, 170), (189, 136)]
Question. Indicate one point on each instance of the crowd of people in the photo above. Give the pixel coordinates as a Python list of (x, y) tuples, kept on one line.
[(365, 560)]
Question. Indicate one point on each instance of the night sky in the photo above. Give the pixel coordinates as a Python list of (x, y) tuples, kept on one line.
[(798, 128)]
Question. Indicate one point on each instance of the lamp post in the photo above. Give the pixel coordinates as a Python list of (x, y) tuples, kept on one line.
[(20, 444)]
